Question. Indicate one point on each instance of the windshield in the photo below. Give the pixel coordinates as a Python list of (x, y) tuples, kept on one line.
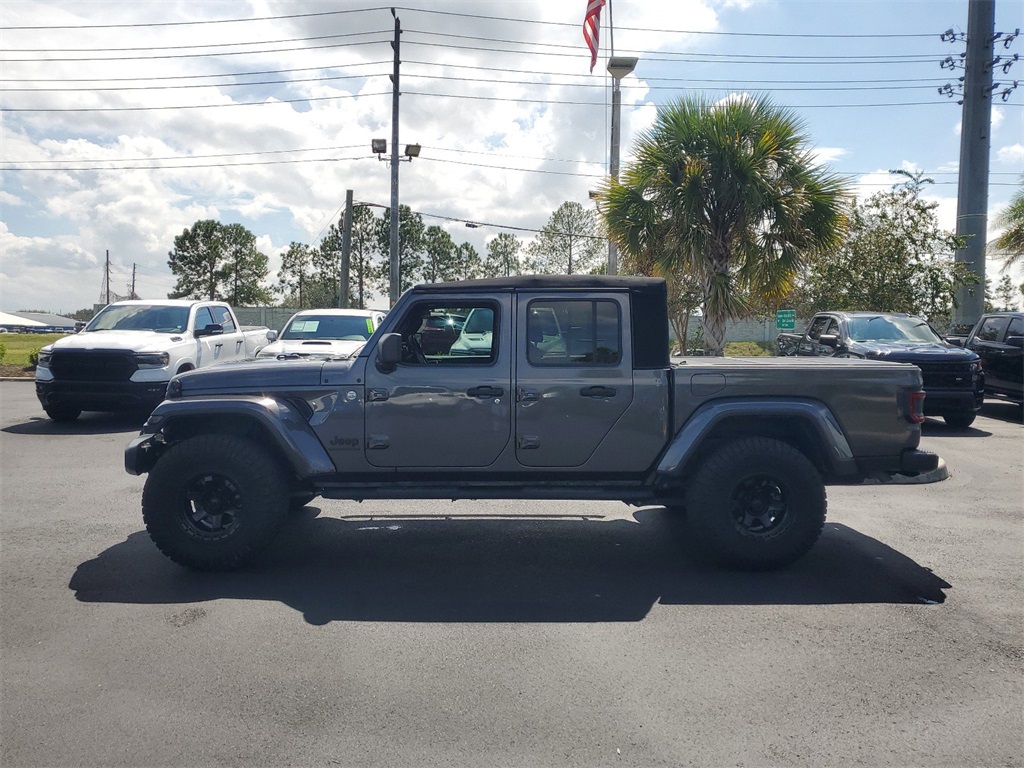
[(334, 327), (140, 317), (912, 330)]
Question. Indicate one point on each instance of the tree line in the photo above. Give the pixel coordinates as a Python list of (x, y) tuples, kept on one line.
[(221, 261)]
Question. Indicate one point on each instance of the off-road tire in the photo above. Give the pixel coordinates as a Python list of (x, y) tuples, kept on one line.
[(959, 420), (757, 504), (298, 501), (212, 502), (62, 413)]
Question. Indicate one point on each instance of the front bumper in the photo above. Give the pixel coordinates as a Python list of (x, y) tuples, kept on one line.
[(102, 395), (939, 402)]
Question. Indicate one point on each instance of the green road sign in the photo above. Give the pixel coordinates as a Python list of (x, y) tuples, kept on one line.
[(785, 319)]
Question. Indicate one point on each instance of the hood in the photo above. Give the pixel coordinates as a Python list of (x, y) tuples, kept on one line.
[(334, 348), (912, 352), (129, 341), (249, 377)]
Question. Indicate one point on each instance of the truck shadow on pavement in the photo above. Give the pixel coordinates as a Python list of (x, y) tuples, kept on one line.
[(504, 569), (86, 424)]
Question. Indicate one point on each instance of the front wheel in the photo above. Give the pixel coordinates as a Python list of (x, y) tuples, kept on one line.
[(62, 413), (757, 503), (212, 502), (959, 420)]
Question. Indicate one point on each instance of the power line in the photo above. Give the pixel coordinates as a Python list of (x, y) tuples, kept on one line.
[(196, 106), (80, 27), (190, 47), (195, 55)]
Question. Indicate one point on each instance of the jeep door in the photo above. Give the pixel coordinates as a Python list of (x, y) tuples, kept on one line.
[(436, 409), (574, 375)]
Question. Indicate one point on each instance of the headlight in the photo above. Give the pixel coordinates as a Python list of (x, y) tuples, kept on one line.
[(44, 357), (173, 389), (152, 359)]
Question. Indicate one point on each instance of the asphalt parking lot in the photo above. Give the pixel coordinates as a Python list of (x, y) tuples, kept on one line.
[(508, 633)]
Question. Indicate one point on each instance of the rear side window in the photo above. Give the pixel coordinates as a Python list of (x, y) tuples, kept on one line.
[(1016, 327), (573, 332)]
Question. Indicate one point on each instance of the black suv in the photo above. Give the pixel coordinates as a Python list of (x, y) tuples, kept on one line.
[(998, 339)]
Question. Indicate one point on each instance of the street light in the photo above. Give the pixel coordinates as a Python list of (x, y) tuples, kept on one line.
[(380, 149), (618, 68)]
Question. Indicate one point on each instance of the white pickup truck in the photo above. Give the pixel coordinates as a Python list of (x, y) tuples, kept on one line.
[(123, 359)]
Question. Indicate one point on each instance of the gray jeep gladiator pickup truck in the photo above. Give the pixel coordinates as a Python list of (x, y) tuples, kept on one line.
[(570, 395)]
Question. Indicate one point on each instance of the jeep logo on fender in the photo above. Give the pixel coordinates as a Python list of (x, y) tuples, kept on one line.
[(344, 443)]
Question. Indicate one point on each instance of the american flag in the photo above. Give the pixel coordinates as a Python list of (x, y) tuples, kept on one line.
[(591, 28)]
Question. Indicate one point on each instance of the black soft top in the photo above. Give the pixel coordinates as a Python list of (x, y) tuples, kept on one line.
[(551, 282), (648, 304)]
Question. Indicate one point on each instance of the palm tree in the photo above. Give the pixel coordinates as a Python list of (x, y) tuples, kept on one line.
[(1011, 242), (728, 193)]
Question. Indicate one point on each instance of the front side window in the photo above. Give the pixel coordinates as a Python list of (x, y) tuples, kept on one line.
[(222, 317), (817, 327), (573, 332), (991, 329), (203, 318), (450, 333)]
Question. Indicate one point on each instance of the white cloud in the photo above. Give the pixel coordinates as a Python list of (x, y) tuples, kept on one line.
[(1011, 155)]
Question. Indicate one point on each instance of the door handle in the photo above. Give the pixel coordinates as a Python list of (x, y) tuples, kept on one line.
[(525, 395), (485, 392), (598, 392)]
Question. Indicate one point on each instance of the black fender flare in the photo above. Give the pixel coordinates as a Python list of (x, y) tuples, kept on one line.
[(837, 455), (283, 422)]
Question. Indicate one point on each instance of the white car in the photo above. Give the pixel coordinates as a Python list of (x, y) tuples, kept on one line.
[(334, 333)]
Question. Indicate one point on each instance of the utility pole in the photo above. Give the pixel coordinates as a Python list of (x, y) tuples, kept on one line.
[(107, 277), (395, 263), (346, 252), (975, 145), (133, 281)]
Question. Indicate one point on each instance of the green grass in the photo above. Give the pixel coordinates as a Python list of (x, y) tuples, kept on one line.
[(21, 345)]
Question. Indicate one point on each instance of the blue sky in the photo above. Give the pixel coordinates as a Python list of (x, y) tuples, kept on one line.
[(276, 119)]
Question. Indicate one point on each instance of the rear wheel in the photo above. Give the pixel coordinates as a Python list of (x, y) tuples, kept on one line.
[(62, 413), (959, 420), (212, 502), (757, 503)]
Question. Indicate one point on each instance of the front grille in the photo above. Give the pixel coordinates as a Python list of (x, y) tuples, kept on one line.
[(946, 375), (92, 366)]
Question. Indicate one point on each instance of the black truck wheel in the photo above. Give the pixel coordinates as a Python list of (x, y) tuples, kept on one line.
[(959, 420), (214, 501), (757, 503), (62, 413)]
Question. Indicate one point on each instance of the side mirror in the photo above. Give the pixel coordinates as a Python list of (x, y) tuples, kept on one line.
[(389, 352), (213, 329), (956, 341), (829, 340), (271, 335), (1015, 341)]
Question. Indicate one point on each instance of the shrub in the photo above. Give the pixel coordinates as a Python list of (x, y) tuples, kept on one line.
[(749, 349), (33, 356), (3, 351)]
